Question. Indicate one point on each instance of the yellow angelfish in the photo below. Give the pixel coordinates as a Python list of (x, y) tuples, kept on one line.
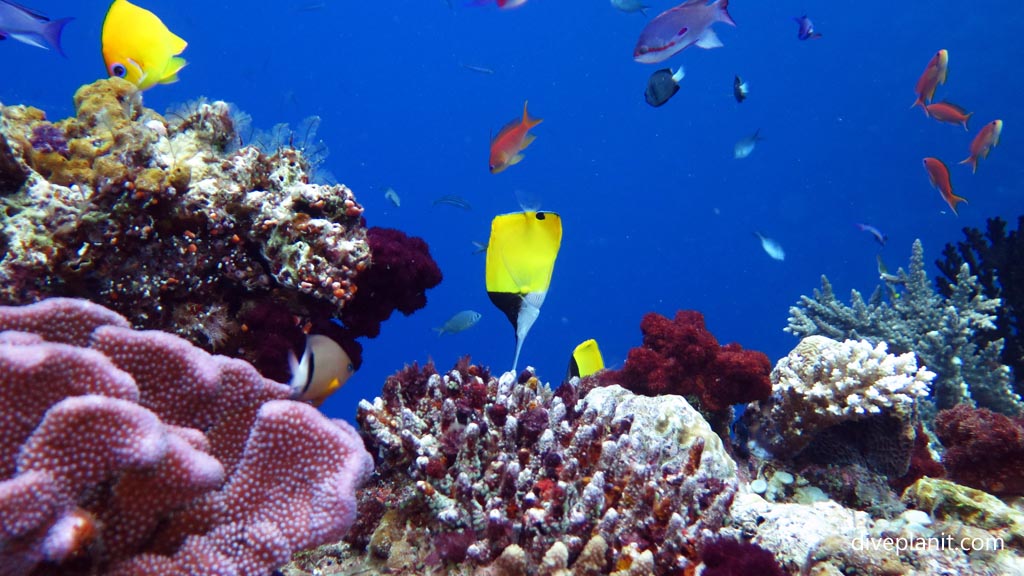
[(138, 47)]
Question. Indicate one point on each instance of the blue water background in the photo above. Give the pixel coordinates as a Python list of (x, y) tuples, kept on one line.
[(657, 214)]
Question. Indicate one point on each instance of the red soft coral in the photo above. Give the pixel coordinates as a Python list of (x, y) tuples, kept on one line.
[(681, 356), (984, 449), (401, 273)]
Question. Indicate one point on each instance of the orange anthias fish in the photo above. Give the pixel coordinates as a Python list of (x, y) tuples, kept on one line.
[(948, 112), (933, 75), (939, 176), (507, 147), (984, 142)]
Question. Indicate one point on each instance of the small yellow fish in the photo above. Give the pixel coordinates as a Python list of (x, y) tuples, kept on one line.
[(138, 47)]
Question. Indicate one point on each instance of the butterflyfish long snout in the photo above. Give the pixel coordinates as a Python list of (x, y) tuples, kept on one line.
[(521, 257), (323, 369), (585, 360)]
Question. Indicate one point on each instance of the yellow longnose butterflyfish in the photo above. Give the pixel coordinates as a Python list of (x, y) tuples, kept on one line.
[(138, 47), (521, 256), (585, 360)]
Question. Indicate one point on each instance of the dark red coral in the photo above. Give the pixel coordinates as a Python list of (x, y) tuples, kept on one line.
[(984, 449), (921, 464), (727, 557), (681, 356), (401, 273)]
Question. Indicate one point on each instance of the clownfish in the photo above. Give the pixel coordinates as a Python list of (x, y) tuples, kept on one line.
[(323, 369), (138, 47)]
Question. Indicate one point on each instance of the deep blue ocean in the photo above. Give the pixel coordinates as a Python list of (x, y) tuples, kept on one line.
[(657, 214)]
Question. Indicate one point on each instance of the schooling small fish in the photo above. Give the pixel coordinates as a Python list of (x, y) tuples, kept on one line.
[(676, 29), (460, 321), (771, 247), (879, 237), (392, 197), (453, 200), (507, 147), (30, 27), (934, 74), (805, 28), (745, 147), (948, 112), (138, 47), (983, 143), (630, 6), (739, 89), (938, 175), (663, 85)]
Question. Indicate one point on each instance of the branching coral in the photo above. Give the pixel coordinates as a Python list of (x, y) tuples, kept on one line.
[(997, 259), (129, 452), (945, 333), (855, 400), (680, 356)]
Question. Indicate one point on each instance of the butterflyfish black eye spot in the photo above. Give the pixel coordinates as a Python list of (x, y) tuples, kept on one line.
[(118, 70), (540, 215)]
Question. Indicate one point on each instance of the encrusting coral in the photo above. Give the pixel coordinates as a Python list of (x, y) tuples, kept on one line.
[(126, 452), (506, 476), (172, 224), (947, 334)]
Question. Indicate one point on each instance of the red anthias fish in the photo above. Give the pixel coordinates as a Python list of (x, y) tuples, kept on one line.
[(983, 143), (933, 75), (677, 28), (507, 147), (502, 4), (948, 112), (938, 174)]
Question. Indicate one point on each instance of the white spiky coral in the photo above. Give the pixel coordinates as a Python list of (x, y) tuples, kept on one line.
[(822, 383)]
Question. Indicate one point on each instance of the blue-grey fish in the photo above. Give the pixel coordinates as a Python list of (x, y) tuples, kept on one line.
[(746, 145), (462, 321), (392, 197), (631, 6), (771, 247), (453, 200), (28, 26)]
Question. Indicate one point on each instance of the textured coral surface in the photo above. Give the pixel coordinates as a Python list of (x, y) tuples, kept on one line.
[(130, 452), (506, 475), (174, 225)]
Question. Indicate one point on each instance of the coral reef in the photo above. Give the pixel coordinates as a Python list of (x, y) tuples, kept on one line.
[(945, 333), (680, 356), (503, 476), (984, 449), (945, 500), (727, 557), (171, 224), (997, 259), (128, 452), (842, 403)]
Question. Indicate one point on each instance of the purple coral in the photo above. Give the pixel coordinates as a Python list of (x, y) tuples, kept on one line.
[(180, 462), (401, 273), (48, 138), (727, 557)]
